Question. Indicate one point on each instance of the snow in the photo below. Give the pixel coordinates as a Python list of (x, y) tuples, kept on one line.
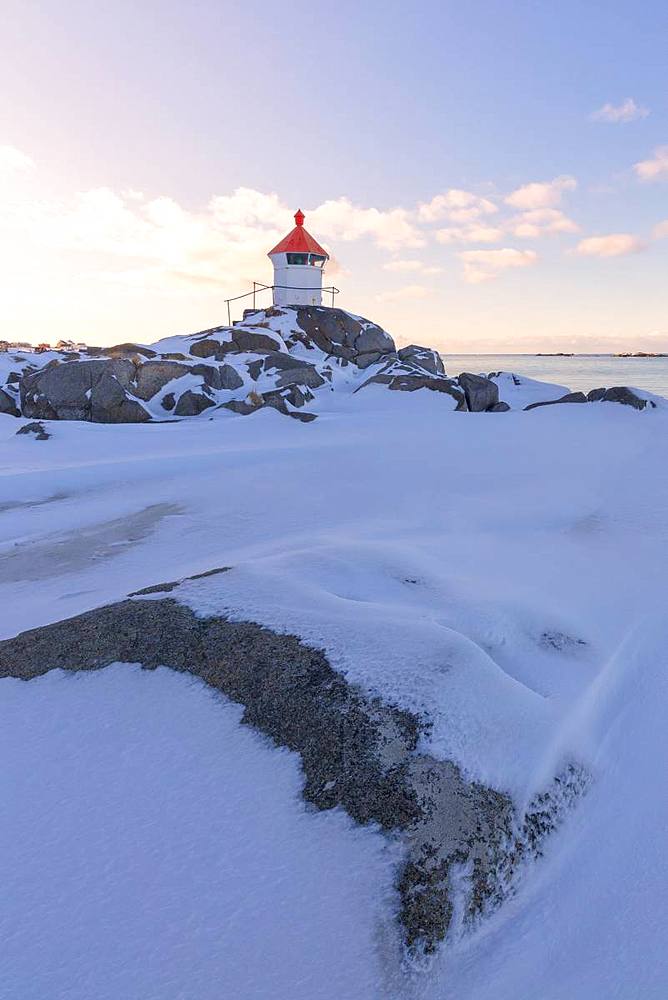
[(503, 574), (160, 850)]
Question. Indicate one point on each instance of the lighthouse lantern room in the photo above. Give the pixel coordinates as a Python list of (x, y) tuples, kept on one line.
[(298, 261)]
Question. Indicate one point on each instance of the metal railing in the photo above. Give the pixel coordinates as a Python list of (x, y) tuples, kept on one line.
[(258, 287)]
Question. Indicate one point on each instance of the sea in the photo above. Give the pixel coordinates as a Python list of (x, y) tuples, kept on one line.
[(579, 372)]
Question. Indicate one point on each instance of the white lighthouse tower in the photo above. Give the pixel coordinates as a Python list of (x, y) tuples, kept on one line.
[(299, 262)]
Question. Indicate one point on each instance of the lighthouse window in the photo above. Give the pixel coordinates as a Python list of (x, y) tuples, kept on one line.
[(318, 260), (297, 258)]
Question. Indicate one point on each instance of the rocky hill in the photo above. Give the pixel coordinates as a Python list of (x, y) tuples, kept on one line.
[(282, 358)]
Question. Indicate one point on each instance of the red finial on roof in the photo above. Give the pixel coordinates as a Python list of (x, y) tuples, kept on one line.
[(299, 240)]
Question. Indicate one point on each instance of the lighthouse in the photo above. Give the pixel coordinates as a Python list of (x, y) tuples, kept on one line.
[(299, 262)]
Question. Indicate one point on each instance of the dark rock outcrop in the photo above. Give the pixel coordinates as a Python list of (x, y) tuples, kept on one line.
[(230, 377), (37, 428), (423, 357), (191, 404), (8, 405), (570, 397), (624, 395), (341, 335), (153, 376), (481, 393), (357, 752), (83, 390)]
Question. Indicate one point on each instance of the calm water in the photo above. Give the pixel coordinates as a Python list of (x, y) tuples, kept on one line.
[(583, 371)]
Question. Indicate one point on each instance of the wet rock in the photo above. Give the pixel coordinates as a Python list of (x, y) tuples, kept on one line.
[(481, 393), (191, 404), (594, 395)]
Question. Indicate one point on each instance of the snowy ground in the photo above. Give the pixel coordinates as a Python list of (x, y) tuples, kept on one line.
[(505, 573)]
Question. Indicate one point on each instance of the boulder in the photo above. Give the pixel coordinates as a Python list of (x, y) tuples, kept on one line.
[(277, 399), (570, 397), (168, 401), (8, 405), (128, 351), (230, 377), (152, 376), (403, 377), (341, 334), (594, 395), (481, 393), (110, 403), (191, 404), (207, 348), (252, 342), (37, 428), (64, 391), (622, 394), (254, 369), (499, 407), (210, 374), (424, 357)]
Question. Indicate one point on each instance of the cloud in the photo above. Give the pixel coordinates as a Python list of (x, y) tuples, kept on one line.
[(541, 194), (457, 206), (12, 159), (406, 292), (469, 234), (391, 230), (661, 231), (403, 265), (612, 245), (627, 111), (540, 222), (485, 265), (411, 265), (654, 169)]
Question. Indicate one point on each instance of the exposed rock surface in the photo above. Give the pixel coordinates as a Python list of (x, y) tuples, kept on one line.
[(153, 376), (403, 376), (191, 404), (481, 393), (357, 752), (617, 394), (288, 356), (37, 428), (8, 405), (82, 390), (570, 397), (424, 357)]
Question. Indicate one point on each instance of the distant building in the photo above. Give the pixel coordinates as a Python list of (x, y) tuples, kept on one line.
[(299, 262), (4, 345)]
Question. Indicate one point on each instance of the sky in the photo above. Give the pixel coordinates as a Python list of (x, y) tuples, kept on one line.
[(487, 177)]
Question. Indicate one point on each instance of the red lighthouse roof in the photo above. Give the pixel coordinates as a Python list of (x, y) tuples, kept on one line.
[(298, 241)]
